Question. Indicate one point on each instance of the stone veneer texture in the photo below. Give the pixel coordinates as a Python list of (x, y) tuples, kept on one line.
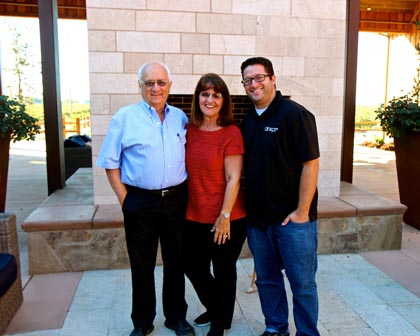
[(305, 39)]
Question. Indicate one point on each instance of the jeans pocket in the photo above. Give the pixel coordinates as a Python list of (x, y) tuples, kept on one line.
[(299, 223)]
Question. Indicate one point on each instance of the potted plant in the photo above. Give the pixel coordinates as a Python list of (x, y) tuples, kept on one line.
[(15, 125), (400, 119)]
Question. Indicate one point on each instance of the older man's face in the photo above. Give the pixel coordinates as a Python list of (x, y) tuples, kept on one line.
[(155, 86)]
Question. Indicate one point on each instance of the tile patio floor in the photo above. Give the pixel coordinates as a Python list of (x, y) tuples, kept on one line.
[(366, 294)]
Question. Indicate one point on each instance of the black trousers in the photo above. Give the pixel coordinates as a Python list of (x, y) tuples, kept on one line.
[(216, 290), (148, 218)]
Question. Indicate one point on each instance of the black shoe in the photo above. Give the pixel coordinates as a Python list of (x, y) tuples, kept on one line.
[(181, 328), (216, 331), (269, 333), (142, 331), (203, 320)]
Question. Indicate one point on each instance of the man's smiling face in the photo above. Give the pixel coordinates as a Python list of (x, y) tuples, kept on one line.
[(261, 93)]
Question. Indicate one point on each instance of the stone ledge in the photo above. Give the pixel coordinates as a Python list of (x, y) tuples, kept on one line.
[(68, 233), (61, 218)]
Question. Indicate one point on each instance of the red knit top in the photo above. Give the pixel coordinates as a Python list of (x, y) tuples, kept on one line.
[(205, 153)]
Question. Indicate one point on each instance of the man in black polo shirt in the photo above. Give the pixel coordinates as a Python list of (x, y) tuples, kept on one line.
[(281, 171)]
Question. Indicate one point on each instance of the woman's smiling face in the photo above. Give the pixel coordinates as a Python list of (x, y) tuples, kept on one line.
[(210, 103)]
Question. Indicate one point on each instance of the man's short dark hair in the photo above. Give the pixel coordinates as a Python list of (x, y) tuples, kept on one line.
[(265, 62)]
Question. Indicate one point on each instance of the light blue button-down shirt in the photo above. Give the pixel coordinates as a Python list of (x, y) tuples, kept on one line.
[(150, 153)]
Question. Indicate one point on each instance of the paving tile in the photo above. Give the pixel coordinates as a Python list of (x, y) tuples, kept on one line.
[(410, 311), (368, 294), (385, 321), (46, 300), (96, 291)]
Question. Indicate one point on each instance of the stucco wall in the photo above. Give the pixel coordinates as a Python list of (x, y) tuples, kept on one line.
[(305, 39)]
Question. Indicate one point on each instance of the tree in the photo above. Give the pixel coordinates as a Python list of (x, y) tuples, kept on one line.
[(22, 65)]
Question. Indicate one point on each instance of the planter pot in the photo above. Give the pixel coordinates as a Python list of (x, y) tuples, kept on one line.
[(407, 154), (4, 170)]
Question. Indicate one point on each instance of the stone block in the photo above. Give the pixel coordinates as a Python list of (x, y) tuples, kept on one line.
[(324, 67), (327, 9), (111, 19), (262, 7), (231, 66), (195, 43), (100, 104), (332, 28), (371, 205), (293, 66), (106, 62), (256, 25), (382, 232), (133, 61), (106, 83), (76, 250), (148, 42), (100, 123), (221, 6), (180, 6), (295, 26), (179, 63), (108, 216), (164, 21), (219, 23), (126, 4), (101, 40), (233, 45), (204, 63)]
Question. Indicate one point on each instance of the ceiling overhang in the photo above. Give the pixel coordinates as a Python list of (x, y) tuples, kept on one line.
[(389, 16), (386, 16), (67, 9)]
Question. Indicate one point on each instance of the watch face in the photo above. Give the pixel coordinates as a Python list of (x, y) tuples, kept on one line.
[(226, 215)]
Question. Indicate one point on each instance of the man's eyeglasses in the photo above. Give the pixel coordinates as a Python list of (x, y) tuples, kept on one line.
[(258, 78), (151, 83), (207, 95)]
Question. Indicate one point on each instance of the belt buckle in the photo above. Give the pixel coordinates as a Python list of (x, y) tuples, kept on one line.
[(164, 192)]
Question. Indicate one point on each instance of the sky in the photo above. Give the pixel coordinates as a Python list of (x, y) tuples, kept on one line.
[(372, 65), (73, 56)]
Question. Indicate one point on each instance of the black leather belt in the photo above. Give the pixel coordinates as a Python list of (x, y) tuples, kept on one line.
[(157, 192)]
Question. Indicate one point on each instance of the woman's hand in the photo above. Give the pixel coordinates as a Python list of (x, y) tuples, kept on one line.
[(221, 230)]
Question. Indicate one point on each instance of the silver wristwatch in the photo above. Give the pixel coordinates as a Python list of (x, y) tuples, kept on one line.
[(225, 214)]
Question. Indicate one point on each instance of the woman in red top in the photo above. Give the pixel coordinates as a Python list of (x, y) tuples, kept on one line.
[(216, 229)]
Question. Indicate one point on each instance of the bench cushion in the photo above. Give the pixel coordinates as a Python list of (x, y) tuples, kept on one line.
[(8, 272)]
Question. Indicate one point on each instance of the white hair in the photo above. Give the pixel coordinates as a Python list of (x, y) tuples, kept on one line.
[(145, 65)]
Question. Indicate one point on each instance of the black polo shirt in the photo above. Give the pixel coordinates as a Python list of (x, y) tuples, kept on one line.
[(276, 145)]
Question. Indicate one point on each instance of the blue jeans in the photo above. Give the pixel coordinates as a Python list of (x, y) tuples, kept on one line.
[(294, 248)]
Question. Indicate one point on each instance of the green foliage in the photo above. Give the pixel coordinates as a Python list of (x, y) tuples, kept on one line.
[(15, 123), (401, 115), (365, 113), (69, 111), (379, 141)]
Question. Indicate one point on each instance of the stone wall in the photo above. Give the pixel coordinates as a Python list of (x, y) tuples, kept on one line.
[(305, 39)]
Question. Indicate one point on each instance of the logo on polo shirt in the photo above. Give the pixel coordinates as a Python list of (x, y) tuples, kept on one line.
[(271, 129)]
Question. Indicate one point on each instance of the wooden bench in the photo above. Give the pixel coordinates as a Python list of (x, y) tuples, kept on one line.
[(70, 233)]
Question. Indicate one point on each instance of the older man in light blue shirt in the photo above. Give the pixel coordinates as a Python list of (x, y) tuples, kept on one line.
[(144, 156)]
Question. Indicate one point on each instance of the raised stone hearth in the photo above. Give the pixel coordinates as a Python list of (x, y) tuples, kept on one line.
[(69, 233)]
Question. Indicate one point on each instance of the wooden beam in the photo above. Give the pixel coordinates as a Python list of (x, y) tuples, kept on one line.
[(51, 93), (416, 11), (66, 9), (353, 12)]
